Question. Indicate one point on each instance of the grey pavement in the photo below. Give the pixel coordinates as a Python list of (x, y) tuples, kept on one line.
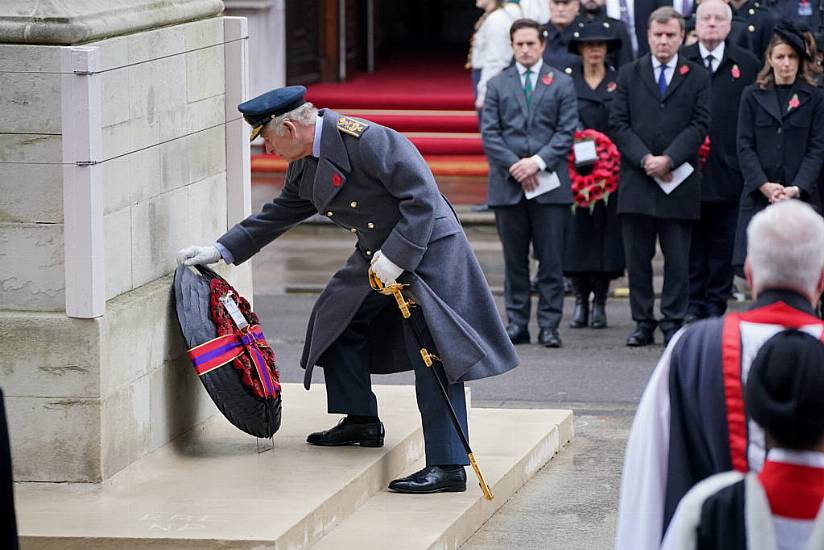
[(571, 503)]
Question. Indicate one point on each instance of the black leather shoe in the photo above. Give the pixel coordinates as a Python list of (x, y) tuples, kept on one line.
[(518, 334), (432, 479), (641, 336), (549, 338), (349, 433), (580, 317), (669, 333), (598, 318)]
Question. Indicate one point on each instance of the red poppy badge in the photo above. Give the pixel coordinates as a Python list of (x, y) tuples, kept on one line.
[(683, 69), (735, 72), (611, 87), (793, 103), (548, 78), (336, 180)]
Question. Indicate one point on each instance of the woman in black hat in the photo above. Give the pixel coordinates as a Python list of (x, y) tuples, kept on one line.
[(594, 251), (780, 130)]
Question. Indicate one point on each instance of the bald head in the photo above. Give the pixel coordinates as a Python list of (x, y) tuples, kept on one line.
[(713, 21)]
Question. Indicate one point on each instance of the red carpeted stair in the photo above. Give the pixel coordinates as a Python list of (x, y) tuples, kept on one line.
[(428, 99)]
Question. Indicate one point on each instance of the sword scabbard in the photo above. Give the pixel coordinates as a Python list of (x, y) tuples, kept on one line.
[(481, 481)]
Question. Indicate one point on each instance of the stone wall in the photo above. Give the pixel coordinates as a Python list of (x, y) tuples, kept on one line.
[(86, 397)]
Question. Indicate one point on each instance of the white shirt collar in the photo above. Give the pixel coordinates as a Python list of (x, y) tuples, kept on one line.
[(717, 53), (801, 458), (670, 65), (318, 134), (536, 68)]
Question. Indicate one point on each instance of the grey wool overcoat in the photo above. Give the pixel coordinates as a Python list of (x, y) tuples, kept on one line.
[(371, 181)]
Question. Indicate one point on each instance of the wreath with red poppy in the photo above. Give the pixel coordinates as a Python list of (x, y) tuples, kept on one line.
[(602, 178)]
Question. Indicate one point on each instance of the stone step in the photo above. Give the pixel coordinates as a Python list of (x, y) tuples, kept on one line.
[(510, 445), (212, 489)]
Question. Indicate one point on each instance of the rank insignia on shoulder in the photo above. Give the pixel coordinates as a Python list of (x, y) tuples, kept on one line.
[(351, 126)]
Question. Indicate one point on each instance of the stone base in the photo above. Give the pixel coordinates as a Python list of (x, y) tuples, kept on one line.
[(212, 489), (86, 398)]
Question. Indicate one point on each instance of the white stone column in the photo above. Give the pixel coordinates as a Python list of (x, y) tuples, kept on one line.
[(267, 42), (82, 192), (238, 165)]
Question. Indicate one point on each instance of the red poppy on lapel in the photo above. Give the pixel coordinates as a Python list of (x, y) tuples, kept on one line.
[(336, 180), (735, 72), (612, 86), (793, 103), (548, 78), (683, 69)]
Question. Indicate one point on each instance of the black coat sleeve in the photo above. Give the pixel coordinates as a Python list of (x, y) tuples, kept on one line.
[(628, 142), (807, 176), (754, 176)]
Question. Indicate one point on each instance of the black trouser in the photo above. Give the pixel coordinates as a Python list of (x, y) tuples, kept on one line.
[(640, 233), (543, 225), (349, 385), (711, 273)]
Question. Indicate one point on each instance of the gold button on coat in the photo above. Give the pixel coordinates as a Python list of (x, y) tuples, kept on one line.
[(330, 213), (353, 204), (370, 225), (368, 252), (353, 230)]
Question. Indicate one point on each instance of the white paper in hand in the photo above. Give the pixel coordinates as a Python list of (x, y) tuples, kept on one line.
[(678, 176), (547, 181)]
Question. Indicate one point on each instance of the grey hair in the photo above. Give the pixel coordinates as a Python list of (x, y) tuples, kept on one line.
[(728, 11), (785, 247), (303, 116)]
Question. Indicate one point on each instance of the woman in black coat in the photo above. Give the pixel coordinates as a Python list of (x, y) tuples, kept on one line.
[(780, 131), (594, 251)]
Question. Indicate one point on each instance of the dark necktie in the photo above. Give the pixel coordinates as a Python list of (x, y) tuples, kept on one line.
[(662, 81), (708, 62), (528, 86)]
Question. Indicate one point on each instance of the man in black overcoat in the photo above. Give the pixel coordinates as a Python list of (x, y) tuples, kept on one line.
[(634, 14), (558, 32), (659, 119), (713, 235), (758, 21)]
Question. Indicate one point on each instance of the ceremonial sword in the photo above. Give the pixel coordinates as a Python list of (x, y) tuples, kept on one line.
[(416, 322)]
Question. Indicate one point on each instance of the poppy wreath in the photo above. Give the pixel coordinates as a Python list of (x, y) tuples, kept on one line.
[(225, 325), (602, 179), (704, 152)]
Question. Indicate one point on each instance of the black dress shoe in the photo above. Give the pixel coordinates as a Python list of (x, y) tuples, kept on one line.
[(598, 318), (641, 336), (549, 338), (349, 433), (518, 334), (432, 479)]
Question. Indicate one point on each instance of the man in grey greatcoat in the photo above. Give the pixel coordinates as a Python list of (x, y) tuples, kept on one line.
[(372, 182), (529, 121)]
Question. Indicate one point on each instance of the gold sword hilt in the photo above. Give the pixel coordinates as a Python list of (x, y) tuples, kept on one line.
[(393, 289)]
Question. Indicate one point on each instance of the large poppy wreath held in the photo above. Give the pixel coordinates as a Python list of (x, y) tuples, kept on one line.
[(600, 179)]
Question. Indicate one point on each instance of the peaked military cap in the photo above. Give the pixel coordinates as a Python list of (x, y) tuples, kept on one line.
[(260, 110)]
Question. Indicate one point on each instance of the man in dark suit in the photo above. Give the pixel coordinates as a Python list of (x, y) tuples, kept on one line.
[(659, 119), (558, 32), (757, 22), (713, 235), (635, 15), (529, 121)]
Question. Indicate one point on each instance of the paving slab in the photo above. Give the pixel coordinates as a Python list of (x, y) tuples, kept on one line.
[(510, 446), (213, 489)]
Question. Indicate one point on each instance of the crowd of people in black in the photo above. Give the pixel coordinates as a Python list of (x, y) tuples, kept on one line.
[(738, 81)]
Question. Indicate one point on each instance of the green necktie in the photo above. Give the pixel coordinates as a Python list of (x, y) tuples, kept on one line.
[(528, 86)]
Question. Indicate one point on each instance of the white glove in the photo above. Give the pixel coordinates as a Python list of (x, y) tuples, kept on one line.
[(199, 255), (383, 267)]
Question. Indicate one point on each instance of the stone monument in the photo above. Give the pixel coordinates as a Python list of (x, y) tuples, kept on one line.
[(119, 144)]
